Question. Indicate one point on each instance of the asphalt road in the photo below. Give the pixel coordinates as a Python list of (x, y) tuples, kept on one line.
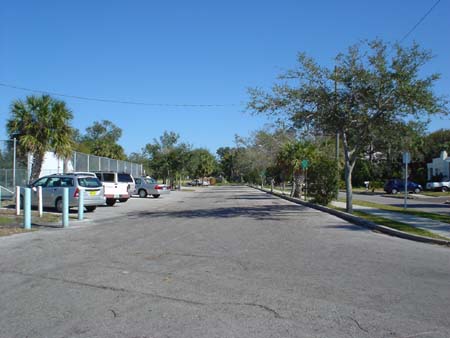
[(221, 262), (426, 203)]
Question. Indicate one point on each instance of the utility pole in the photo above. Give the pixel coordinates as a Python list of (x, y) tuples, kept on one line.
[(14, 161), (335, 113), (337, 132)]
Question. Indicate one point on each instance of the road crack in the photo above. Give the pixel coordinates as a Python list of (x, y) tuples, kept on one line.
[(263, 307), (149, 294), (359, 326)]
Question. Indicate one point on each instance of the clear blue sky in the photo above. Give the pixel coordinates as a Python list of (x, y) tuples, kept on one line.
[(191, 52)]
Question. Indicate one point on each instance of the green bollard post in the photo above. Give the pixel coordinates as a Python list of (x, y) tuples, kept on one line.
[(65, 209), (81, 204), (27, 209)]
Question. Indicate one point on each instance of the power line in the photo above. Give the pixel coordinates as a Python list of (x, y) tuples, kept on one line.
[(137, 103), (419, 22)]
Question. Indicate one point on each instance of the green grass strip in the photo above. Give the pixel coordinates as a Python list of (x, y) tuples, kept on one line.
[(436, 193), (429, 215), (395, 225)]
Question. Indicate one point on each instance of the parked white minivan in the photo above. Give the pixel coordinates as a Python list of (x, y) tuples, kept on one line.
[(114, 189)]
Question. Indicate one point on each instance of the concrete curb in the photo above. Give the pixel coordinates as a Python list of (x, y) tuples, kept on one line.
[(359, 221)]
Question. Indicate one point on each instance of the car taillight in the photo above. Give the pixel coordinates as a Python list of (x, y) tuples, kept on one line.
[(158, 187), (76, 193)]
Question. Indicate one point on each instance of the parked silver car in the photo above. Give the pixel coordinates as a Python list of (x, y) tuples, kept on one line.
[(439, 186), (148, 186), (52, 191)]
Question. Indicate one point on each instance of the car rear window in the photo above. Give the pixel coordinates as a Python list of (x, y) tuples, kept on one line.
[(150, 180), (108, 177), (124, 178), (66, 182), (89, 182)]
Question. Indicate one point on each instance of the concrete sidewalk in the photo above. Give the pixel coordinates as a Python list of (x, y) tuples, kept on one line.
[(439, 228)]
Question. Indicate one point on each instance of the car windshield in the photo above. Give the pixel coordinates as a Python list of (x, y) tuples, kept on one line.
[(150, 180), (89, 182), (124, 178)]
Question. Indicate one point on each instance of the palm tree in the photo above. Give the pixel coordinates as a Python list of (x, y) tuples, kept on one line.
[(41, 124), (289, 160)]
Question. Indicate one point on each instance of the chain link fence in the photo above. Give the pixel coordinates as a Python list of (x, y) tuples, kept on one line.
[(86, 162), (15, 167)]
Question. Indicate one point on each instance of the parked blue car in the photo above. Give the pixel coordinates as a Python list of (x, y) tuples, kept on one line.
[(398, 185)]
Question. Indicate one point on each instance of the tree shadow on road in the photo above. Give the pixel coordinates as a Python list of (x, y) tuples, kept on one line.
[(252, 197), (263, 212)]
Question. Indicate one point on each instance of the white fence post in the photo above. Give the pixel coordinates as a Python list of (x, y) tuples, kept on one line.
[(17, 200), (40, 203)]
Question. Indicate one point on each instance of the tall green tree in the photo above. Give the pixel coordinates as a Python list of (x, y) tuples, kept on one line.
[(101, 139), (202, 163), (41, 123), (362, 98), (167, 158), (226, 158)]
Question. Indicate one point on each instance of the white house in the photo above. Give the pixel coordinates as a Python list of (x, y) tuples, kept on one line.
[(439, 166)]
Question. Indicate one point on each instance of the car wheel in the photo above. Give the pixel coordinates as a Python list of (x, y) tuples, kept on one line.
[(110, 201), (59, 204), (444, 189), (142, 193), (156, 196), (91, 208), (417, 191), (394, 191)]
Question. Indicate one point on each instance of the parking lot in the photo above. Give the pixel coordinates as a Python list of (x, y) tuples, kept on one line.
[(220, 262)]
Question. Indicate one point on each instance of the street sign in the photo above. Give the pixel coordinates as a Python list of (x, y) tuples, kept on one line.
[(406, 157), (305, 164)]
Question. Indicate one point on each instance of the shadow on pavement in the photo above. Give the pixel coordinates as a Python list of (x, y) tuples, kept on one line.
[(265, 212), (252, 197)]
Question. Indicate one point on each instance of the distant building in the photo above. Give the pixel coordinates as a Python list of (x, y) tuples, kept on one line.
[(53, 164), (439, 166)]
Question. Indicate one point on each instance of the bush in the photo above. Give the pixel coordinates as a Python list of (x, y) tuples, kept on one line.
[(376, 185), (323, 180), (212, 181)]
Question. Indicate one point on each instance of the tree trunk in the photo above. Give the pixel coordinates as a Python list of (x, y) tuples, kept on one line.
[(350, 160), (293, 187), (348, 188), (66, 165), (38, 159), (298, 179)]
